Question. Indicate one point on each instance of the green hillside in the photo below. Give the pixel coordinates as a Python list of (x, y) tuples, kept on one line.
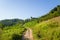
[(47, 30), (46, 27), (55, 12)]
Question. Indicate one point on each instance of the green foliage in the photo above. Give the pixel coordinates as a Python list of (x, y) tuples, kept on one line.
[(16, 37), (1, 25), (8, 32), (53, 24), (47, 31), (30, 24), (0, 33)]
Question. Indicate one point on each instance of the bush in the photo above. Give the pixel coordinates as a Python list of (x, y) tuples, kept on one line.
[(16, 37)]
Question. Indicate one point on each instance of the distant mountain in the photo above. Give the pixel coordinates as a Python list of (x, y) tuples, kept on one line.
[(11, 22)]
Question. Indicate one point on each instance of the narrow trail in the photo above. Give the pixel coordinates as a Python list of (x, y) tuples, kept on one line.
[(28, 35)]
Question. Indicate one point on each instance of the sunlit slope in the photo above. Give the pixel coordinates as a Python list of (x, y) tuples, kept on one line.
[(47, 30)]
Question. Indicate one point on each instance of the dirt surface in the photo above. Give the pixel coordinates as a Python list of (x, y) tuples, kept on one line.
[(28, 35)]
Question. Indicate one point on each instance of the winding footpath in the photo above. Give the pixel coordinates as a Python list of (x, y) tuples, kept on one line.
[(28, 35)]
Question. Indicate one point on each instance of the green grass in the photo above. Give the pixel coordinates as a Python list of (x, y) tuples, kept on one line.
[(46, 30), (8, 32)]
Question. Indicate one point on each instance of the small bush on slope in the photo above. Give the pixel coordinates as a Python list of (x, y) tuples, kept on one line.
[(16, 37)]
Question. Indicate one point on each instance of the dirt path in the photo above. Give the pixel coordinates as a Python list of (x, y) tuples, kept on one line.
[(28, 35)]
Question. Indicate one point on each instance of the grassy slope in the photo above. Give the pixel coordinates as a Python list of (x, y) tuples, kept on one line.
[(47, 30), (9, 31)]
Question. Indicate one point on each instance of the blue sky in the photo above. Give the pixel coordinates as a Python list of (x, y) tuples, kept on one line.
[(23, 9)]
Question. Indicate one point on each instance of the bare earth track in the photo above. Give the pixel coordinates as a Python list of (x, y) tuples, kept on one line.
[(28, 35)]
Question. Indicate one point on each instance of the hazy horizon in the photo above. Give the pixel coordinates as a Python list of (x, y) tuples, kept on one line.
[(23, 9)]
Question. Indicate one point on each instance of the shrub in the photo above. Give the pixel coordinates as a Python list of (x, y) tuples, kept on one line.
[(16, 37)]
